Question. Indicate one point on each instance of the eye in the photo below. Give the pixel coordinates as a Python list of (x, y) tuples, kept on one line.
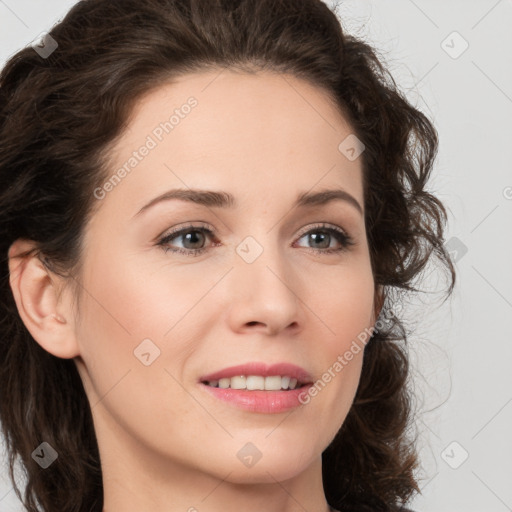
[(322, 236), (193, 240)]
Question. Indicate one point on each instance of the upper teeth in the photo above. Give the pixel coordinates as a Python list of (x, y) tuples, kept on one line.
[(272, 383)]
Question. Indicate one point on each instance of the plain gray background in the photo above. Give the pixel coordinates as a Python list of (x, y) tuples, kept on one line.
[(453, 61)]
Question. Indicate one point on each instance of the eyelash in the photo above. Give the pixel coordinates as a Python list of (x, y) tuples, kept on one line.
[(344, 240)]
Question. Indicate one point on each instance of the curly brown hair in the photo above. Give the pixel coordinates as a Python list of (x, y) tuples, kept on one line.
[(58, 118)]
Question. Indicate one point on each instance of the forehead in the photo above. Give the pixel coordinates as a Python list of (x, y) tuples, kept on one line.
[(255, 133)]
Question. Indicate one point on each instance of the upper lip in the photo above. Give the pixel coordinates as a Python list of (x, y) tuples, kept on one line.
[(255, 368)]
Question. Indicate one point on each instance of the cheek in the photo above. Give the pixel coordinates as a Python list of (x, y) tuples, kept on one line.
[(346, 303), (123, 306), (119, 313), (346, 311), (139, 300)]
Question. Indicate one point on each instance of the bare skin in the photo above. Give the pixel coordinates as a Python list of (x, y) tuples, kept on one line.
[(166, 444)]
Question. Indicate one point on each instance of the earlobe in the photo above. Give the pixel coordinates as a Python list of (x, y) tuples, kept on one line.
[(36, 293)]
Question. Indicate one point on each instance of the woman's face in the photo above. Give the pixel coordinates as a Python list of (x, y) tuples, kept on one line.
[(254, 281)]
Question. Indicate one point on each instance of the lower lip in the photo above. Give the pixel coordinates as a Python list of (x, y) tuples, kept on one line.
[(260, 401)]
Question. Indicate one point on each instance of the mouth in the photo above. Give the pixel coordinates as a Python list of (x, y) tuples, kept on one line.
[(259, 388), (257, 382)]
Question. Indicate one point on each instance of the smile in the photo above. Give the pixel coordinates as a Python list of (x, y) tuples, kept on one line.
[(257, 387)]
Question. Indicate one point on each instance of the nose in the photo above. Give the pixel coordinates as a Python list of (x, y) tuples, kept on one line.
[(262, 295)]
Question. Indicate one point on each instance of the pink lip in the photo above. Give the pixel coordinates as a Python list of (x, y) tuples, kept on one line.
[(269, 402), (257, 400), (262, 369)]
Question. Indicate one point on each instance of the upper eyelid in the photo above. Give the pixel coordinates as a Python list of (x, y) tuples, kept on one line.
[(178, 231), (205, 227), (323, 225)]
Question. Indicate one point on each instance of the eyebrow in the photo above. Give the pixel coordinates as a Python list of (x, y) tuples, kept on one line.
[(219, 199)]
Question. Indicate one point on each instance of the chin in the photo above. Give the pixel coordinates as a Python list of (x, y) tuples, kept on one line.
[(268, 471), (265, 461)]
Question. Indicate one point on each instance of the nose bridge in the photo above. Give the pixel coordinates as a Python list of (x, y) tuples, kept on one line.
[(264, 280), (260, 259)]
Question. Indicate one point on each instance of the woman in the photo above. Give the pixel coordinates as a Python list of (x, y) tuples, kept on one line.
[(207, 212)]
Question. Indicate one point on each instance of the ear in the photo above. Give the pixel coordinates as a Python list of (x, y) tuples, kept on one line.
[(36, 290)]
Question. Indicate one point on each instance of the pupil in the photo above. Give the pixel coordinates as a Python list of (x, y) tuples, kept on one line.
[(315, 237), (192, 237)]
